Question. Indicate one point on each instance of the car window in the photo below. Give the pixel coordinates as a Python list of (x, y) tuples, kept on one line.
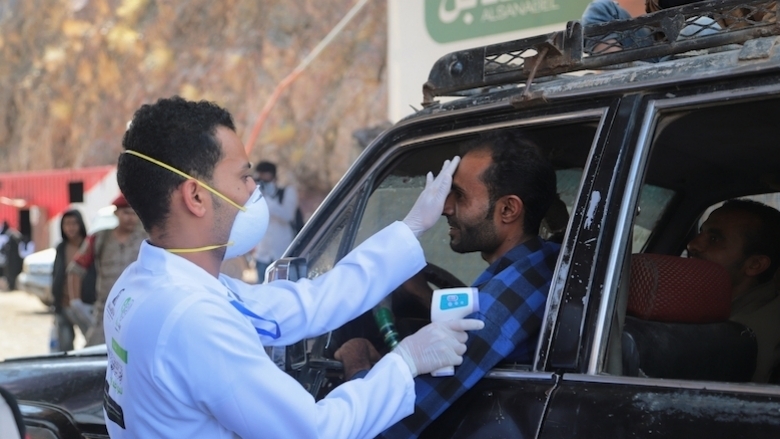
[(324, 254), (772, 199), (699, 155), (398, 183), (395, 194), (653, 201)]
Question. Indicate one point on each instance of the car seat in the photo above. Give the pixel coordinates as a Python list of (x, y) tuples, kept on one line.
[(677, 323), (11, 424)]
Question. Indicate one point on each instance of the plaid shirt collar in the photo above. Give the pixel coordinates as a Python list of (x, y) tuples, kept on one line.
[(509, 258), (512, 295)]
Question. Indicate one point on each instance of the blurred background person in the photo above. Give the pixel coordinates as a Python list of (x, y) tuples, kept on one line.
[(13, 260), (73, 232), (111, 251), (283, 207), (26, 246), (3, 241), (234, 267)]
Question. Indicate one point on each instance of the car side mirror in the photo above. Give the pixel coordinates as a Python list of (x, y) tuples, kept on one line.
[(292, 269), (287, 269)]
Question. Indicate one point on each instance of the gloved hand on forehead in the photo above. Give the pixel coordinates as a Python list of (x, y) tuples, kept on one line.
[(429, 205)]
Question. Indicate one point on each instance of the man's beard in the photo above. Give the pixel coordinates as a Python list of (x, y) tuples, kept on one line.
[(480, 236), (223, 222)]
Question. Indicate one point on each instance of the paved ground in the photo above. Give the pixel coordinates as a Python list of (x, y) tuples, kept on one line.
[(25, 325)]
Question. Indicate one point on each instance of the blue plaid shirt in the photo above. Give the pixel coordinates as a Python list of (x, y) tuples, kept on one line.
[(512, 296)]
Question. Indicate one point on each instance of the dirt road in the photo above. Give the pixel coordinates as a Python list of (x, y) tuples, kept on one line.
[(25, 325)]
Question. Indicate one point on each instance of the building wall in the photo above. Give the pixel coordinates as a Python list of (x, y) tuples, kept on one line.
[(45, 195), (420, 32)]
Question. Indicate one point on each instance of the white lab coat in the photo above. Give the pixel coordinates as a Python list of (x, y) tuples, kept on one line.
[(183, 362)]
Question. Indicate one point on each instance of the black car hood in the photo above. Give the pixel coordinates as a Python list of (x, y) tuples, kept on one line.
[(71, 381)]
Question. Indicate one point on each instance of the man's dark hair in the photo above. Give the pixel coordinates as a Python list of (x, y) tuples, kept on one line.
[(764, 240), (178, 133), (519, 168), (79, 219), (265, 166)]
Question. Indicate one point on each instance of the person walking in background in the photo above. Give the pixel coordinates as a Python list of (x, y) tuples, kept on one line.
[(13, 260), (234, 267), (26, 246), (3, 241), (74, 232), (283, 206), (111, 251)]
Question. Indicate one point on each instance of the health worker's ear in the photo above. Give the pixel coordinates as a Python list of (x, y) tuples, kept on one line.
[(195, 197)]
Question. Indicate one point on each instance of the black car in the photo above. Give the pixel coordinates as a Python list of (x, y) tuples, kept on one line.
[(641, 150)]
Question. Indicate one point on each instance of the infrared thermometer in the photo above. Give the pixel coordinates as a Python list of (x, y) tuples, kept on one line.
[(451, 304)]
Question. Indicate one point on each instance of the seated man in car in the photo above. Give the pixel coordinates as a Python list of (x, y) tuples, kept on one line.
[(500, 192), (744, 237)]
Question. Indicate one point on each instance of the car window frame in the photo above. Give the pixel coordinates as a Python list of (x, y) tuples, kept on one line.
[(565, 326), (654, 105), (370, 174)]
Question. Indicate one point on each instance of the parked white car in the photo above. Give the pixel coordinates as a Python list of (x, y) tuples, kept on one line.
[(35, 277)]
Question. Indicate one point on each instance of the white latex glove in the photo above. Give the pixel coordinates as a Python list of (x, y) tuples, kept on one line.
[(429, 205), (437, 345)]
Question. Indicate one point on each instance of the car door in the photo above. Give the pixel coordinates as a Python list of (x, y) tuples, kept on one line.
[(684, 149), (382, 186)]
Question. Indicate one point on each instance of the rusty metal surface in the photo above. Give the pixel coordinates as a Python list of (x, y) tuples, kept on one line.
[(655, 37)]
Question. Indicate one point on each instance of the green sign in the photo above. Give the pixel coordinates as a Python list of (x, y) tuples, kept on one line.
[(455, 20)]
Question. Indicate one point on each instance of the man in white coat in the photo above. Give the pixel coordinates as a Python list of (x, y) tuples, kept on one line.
[(282, 206), (186, 345)]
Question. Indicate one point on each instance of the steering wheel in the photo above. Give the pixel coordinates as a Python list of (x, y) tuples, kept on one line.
[(440, 277), (412, 300), (416, 314)]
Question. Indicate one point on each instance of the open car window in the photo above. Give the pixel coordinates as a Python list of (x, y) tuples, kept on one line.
[(566, 145), (675, 312), (653, 201), (772, 199), (397, 184)]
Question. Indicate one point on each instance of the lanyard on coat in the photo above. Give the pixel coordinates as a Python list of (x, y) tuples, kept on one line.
[(258, 322)]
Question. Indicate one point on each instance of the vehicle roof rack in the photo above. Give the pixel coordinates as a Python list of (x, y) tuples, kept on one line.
[(654, 36)]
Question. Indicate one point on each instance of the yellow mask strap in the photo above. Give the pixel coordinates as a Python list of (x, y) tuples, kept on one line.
[(198, 249), (188, 177)]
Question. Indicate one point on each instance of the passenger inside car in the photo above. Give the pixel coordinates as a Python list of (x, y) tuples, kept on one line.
[(744, 237)]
